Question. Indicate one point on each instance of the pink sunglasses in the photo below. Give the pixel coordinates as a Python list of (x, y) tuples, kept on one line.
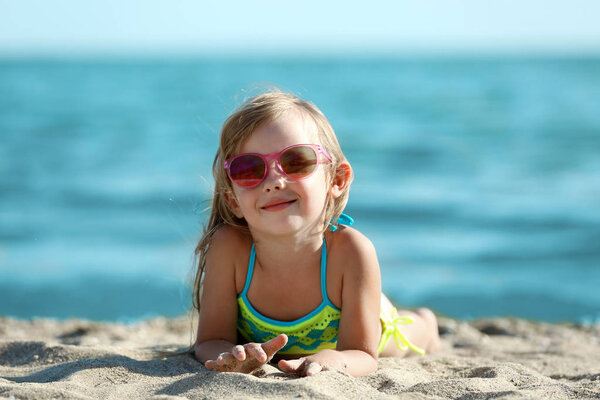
[(296, 162)]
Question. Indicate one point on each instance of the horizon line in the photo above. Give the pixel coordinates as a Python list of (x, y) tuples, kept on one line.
[(305, 53)]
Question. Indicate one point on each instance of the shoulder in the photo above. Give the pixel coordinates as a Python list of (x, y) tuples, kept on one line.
[(353, 251), (227, 238), (228, 253), (349, 243)]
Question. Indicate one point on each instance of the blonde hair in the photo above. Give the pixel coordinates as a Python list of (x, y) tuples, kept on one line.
[(240, 125)]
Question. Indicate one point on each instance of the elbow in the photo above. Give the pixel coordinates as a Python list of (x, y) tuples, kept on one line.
[(372, 364), (373, 355), (198, 354), (368, 366), (364, 364), (371, 361)]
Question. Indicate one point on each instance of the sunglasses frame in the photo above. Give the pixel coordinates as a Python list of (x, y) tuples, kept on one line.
[(268, 158)]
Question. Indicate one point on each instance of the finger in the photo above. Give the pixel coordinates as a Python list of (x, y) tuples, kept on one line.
[(213, 366), (239, 352), (313, 368), (210, 364), (226, 358), (274, 345), (290, 365), (257, 352)]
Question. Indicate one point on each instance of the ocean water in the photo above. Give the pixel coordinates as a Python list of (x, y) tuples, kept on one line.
[(478, 180)]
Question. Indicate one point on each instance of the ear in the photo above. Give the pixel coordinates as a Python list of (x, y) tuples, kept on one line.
[(341, 179), (233, 204)]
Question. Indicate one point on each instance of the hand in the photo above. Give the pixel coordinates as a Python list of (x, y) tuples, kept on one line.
[(311, 365), (246, 358)]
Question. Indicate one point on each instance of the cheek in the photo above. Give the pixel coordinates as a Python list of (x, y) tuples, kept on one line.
[(325, 181), (318, 190), (243, 199)]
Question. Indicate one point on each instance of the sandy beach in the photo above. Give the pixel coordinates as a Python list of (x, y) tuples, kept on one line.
[(484, 359)]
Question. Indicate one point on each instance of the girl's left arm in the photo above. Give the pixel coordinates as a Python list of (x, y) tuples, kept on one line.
[(360, 327)]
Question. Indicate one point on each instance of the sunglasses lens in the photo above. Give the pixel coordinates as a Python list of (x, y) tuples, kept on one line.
[(298, 162), (247, 170)]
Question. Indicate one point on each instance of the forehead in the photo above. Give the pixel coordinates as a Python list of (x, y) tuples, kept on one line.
[(292, 127)]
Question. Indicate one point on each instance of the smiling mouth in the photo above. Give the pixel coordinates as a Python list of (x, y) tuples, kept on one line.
[(278, 206)]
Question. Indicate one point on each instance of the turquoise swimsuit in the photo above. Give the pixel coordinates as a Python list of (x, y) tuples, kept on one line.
[(315, 331)]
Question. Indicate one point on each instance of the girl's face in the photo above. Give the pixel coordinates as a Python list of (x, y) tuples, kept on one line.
[(280, 205)]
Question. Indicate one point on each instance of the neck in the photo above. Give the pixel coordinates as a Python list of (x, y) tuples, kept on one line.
[(275, 252)]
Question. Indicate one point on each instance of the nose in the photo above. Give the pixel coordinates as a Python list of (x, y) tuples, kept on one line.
[(275, 179)]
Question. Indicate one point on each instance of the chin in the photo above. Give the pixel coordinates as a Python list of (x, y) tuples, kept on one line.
[(283, 227)]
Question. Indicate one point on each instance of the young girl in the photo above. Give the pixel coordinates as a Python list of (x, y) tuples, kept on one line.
[(279, 274)]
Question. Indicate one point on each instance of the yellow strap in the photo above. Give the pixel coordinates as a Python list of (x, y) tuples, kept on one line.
[(391, 327)]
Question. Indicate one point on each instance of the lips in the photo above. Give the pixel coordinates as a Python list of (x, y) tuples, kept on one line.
[(278, 204)]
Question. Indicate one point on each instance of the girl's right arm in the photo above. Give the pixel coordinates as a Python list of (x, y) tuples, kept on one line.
[(217, 333), (218, 309)]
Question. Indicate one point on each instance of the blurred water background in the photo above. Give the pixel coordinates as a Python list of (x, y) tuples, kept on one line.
[(477, 179)]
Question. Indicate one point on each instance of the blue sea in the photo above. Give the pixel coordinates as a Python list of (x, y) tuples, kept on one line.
[(477, 179)]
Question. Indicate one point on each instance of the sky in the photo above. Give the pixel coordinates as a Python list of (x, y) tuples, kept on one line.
[(44, 27)]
